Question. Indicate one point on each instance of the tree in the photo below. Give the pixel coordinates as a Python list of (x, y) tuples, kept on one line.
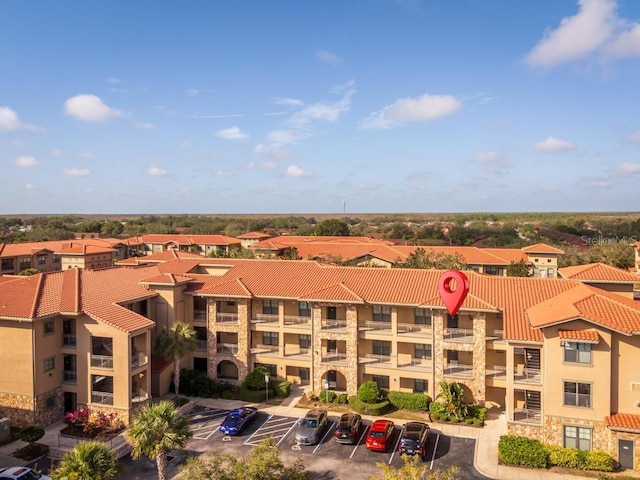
[(331, 228), (255, 379), (414, 469), (31, 434), (27, 272), (157, 430), (263, 462), (112, 228), (88, 461), (518, 269), (421, 259), (453, 398), (175, 343), (369, 392)]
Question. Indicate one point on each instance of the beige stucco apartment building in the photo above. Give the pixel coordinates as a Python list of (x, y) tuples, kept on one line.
[(555, 355)]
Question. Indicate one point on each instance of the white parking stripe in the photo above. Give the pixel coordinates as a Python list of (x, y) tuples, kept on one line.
[(395, 449), (359, 442), (435, 447), (324, 436), (208, 436), (288, 433), (254, 433)]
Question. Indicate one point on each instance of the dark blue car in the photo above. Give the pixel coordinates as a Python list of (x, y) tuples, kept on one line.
[(237, 419)]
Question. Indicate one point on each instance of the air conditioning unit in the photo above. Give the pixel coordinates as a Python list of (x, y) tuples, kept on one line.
[(5, 429)]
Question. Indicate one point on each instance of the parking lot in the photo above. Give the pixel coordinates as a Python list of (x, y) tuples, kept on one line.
[(328, 459)]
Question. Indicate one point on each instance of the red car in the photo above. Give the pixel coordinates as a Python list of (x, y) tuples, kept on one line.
[(379, 436)]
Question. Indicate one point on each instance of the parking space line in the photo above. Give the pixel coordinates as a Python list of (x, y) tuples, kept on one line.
[(333, 424), (209, 412), (395, 449), (208, 436), (288, 433), (433, 457), (257, 430), (359, 441)]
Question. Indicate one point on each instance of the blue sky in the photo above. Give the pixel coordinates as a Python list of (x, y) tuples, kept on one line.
[(367, 106)]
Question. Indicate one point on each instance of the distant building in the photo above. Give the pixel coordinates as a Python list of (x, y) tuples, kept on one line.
[(200, 244)]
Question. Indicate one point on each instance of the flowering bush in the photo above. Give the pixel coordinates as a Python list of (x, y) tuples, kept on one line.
[(78, 418), (93, 424)]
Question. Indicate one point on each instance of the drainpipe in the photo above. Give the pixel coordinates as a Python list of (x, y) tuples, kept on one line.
[(33, 375)]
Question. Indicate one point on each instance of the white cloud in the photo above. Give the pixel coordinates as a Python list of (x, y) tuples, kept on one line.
[(328, 112), (77, 172), (222, 173), (295, 171), (192, 92), (143, 125), (184, 143), (86, 155), (598, 184), (493, 162), (26, 162), (9, 120), (553, 144), (17, 143), (272, 151), (635, 136), (628, 167), (627, 44), (56, 152), (328, 57), (29, 186), (264, 165), (407, 110), (231, 133), (156, 171), (89, 108), (278, 138), (114, 81), (288, 102)]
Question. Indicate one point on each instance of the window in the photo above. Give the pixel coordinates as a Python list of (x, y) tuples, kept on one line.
[(550, 272), (422, 316), (577, 437), (577, 394), (304, 373), (575, 352), (231, 303), (304, 309), (273, 370), (420, 386), (270, 338), (42, 259), (49, 364), (6, 264), (50, 402), (270, 307), (304, 341), (493, 270), (381, 347), (381, 313), (24, 263), (381, 380), (422, 350), (49, 327)]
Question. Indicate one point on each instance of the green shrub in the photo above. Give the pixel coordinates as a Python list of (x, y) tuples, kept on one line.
[(369, 392), (31, 433), (476, 411), (453, 419), (436, 408), (309, 395), (180, 401), (342, 399), (327, 396), (523, 451), (599, 461), (255, 396), (564, 457), (283, 389), (477, 422), (368, 408), (470, 421), (255, 379), (416, 402)]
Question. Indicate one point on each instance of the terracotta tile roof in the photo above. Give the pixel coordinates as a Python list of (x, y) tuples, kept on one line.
[(287, 241), (230, 288), (253, 235), (187, 239), (33, 248), (337, 293), (584, 336), (158, 257), (84, 250), (598, 272), (165, 279), (623, 421), (471, 255), (542, 248), (592, 304)]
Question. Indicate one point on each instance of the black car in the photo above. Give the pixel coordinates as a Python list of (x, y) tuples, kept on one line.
[(348, 428), (414, 439)]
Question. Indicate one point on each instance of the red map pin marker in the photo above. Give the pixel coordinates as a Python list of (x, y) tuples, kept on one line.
[(453, 299)]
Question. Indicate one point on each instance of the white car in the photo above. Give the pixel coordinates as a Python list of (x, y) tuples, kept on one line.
[(22, 473)]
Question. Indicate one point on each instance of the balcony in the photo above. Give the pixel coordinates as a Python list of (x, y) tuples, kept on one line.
[(200, 316), (103, 398), (417, 365), (69, 340), (335, 325), (301, 354), (496, 335), (414, 330), (227, 348), (458, 335), (227, 318), (70, 376), (496, 372), (376, 360), (139, 396), (266, 350), (266, 318), (458, 370), (527, 415), (381, 328), (202, 345), (334, 358), (528, 375), (297, 321), (102, 361), (139, 359)]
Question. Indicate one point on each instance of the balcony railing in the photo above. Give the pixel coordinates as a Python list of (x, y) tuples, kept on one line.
[(527, 415), (375, 359), (266, 318), (377, 327), (269, 350), (297, 321), (497, 372), (139, 397), (528, 375), (335, 358), (69, 340), (302, 353), (202, 345), (333, 324), (420, 364), (70, 376), (139, 359), (412, 329), (495, 334), (227, 348), (458, 370), (461, 335), (231, 318), (105, 398), (200, 316), (102, 361)]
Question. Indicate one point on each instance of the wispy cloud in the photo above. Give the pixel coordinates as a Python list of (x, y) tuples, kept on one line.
[(260, 165), (29, 186), (273, 151), (628, 168), (295, 171), (114, 80), (328, 57), (205, 116), (494, 163), (553, 144), (635, 137), (193, 92), (86, 155), (90, 108), (288, 102), (410, 110), (77, 172), (184, 143), (56, 152), (143, 125), (222, 173), (232, 133), (156, 171), (597, 183), (9, 120), (26, 162)]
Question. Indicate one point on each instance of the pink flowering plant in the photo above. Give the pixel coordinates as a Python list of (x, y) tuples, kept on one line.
[(77, 418), (93, 424)]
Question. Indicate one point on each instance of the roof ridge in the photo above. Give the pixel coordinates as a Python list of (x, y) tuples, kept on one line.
[(36, 298), (351, 291)]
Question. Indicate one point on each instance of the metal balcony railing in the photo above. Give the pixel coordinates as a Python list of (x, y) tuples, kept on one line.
[(528, 375), (495, 335), (227, 348), (497, 372), (227, 318), (104, 398), (458, 370), (411, 329), (462, 335), (377, 327), (70, 376), (422, 364), (69, 340), (200, 316), (265, 350), (266, 318), (376, 359), (333, 324), (336, 358), (527, 415), (139, 359), (304, 353), (297, 321), (102, 361)]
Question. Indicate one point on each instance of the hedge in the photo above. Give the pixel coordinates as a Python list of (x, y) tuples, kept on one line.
[(254, 396), (417, 402), (369, 392), (522, 451), (283, 389), (368, 408), (342, 399), (327, 396), (579, 459)]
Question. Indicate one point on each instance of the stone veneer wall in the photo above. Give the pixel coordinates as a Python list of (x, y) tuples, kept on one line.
[(241, 359), (17, 408), (46, 416), (526, 430)]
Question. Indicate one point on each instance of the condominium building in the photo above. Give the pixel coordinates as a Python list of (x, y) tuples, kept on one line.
[(553, 355), (200, 244)]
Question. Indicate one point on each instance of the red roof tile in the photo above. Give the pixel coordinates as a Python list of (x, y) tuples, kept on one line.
[(584, 336), (542, 248), (623, 421), (598, 272)]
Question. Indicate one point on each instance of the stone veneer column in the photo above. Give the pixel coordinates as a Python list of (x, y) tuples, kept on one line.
[(212, 338), (438, 350), (352, 349), (394, 341), (479, 356), (244, 338), (316, 352)]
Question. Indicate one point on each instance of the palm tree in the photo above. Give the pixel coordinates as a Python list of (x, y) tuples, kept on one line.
[(453, 397), (176, 343), (157, 430), (88, 461)]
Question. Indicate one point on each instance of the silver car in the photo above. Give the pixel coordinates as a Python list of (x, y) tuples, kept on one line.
[(312, 426)]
